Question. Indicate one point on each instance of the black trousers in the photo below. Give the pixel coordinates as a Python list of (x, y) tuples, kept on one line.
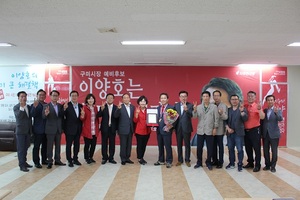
[(141, 142), (218, 149), (125, 146), (273, 143), (23, 142), (75, 140), (252, 142), (186, 138), (209, 145), (89, 147), (39, 140), (53, 139), (108, 138)]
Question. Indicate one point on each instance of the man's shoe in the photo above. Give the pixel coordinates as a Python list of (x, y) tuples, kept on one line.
[(248, 166), (266, 168), (38, 166), (129, 161), (27, 165), (215, 163), (188, 164), (59, 163), (144, 161), (197, 166), (273, 169), (112, 161), (71, 164), (169, 165), (219, 166), (209, 167), (179, 163), (256, 169), (141, 162), (88, 161), (44, 163), (123, 163), (76, 162), (24, 169), (240, 168), (103, 162), (159, 163), (49, 166), (92, 160), (229, 166)]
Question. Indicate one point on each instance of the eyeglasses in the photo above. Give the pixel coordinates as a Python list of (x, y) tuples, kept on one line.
[(234, 99), (54, 95)]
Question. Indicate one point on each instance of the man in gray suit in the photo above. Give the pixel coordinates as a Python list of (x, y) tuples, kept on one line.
[(271, 133), (23, 129), (183, 127), (125, 114), (53, 113)]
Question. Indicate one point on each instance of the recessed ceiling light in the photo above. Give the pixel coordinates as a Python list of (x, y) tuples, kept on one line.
[(5, 44), (152, 42), (294, 44)]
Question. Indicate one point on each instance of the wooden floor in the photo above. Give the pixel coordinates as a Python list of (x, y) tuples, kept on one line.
[(133, 181)]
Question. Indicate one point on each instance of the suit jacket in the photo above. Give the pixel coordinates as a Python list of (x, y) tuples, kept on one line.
[(271, 125), (184, 120), (238, 126), (39, 122), (161, 123), (105, 119), (23, 121), (207, 120), (222, 118), (53, 121), (125, 125), (72, 123)]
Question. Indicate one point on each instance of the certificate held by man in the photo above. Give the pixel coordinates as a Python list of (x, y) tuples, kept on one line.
[(152, 117)]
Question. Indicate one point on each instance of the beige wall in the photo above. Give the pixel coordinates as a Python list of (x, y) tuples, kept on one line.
[(293, 128)]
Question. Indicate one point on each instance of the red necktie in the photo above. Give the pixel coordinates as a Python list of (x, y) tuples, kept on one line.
[(162, 110)]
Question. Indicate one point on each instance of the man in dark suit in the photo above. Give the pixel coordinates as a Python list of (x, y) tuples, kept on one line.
[(72, 128), (108, 129), (38, 129), (164, 133), (23, 129), (125, 113), (183, 127), (53, 113), (235, 131), (271, 133)]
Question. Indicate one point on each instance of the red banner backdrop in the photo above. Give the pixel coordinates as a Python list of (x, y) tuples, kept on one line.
[(153, 80)]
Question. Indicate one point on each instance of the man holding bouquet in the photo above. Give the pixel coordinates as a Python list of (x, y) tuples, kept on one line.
[(164, 132)]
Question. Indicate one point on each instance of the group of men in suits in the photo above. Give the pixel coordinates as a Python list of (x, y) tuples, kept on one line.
[(242, 123)]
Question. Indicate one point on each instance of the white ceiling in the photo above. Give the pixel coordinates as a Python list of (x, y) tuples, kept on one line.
[(218, 32)]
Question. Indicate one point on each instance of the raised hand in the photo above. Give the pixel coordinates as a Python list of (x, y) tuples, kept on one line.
[(195, 105), (259, 106), (47, 110), (137, 111), (120, 105), (241, 107), (82, 113), (185, 108), (276, 109), (35, 102), (103, 105), (65, 106), (220, 111)]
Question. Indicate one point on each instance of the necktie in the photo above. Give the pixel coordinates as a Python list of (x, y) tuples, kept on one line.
[(109, 115), (162, 110)]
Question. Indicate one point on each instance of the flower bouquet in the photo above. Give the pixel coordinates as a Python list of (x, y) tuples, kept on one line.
[(170, 116)]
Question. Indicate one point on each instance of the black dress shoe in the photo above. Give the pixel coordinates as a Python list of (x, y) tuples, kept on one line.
[(38, 165), (123, 163), (24, 169), (44, 163), (59, 163), (219, 166), (266, 168), (248, 166), (112, 161), (129, 161), (159, 163), (144, 161), (209, 167), (256, 169), (76, 162), (273, 169), (103, 162), (71, 164), (141, 162), (28, 166), (92, 160), (197, 166), (88, 161), (49, 166)]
